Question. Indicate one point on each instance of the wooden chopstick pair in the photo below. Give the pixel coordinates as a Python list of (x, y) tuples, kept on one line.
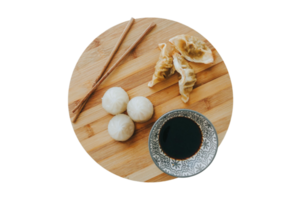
[(101, 78)]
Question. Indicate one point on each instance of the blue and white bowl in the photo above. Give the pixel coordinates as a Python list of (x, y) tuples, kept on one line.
[(193, 165)]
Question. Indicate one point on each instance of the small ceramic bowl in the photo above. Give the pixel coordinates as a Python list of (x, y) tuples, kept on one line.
[(193, 165)]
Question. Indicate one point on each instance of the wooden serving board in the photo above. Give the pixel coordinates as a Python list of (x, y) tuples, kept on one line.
[(212, 96)]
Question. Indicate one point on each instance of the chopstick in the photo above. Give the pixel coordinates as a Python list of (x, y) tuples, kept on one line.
[(115, 49), (131, 20), (82, 103)]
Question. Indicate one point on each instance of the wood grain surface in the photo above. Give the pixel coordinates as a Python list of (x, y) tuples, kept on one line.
[(212, 96)]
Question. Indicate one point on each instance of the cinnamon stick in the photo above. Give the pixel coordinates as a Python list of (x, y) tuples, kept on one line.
[(131, 20), (85, 99)]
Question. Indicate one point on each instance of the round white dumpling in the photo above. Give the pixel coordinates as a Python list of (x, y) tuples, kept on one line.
[(115, 100), (140, 109), (121, 127)]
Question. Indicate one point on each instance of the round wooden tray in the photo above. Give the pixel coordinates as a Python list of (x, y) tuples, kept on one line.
[(212, 96)]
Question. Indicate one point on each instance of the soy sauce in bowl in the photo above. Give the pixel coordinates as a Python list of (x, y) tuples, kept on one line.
[(180, 138)]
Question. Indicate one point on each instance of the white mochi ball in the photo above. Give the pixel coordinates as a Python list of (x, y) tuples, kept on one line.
[(115, 100), (121, 127), (140, 109)]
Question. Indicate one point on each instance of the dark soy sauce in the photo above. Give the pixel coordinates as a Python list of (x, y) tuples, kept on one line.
[(180, 138)]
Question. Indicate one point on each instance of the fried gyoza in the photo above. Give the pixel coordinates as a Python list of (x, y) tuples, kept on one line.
[(164, 66), (188, 76), (192, 49)]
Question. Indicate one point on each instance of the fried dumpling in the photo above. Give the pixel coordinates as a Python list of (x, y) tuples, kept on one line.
[(192, 49), (188, 76), (164, 66)]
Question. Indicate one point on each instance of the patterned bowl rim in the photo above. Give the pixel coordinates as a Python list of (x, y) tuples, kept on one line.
[(152, 132)]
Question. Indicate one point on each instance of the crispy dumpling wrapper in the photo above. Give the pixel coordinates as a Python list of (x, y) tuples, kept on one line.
[(164, 66), (188, 76), (192, 49)]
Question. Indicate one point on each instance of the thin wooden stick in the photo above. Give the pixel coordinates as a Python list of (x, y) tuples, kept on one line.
[(82, 102), (131, 20), (115, 49)]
